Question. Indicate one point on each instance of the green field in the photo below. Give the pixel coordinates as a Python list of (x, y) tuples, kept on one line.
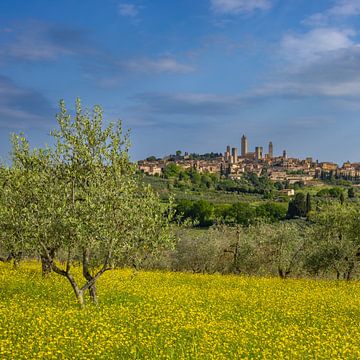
[(155, 315)]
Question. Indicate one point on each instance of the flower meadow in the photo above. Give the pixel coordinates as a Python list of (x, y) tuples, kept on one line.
[(162, 315)]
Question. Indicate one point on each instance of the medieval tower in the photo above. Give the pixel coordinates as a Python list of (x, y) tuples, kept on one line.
[(244, 146), (271, 150)]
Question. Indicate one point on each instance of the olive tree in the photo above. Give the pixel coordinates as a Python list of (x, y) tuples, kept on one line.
[(87, 203), (336, 240), (238, 249), (281, 246), (16, 194)]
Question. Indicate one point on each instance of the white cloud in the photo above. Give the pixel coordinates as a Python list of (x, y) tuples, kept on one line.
[(35, 50), (34, 45), (346, 8), (115, 71), (341, 9), (200, 104), (318, 19), (316, 43), (161, 65), (229, 7), (323, 61), (39, 41), (331, 74), (130, 10)]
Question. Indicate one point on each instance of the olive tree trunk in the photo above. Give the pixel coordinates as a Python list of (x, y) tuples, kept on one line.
[(46, 263), (87, 275), (91, 281)]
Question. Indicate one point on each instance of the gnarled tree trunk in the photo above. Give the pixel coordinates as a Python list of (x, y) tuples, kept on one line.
[(15, 257), (46, 263), (88, 276), (283, 273), (90, 284)]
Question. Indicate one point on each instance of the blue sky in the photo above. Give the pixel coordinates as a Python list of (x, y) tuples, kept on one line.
[(188, 75)]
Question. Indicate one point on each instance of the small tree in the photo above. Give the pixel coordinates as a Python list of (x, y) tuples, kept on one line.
[(297, 206), (88, 203), (336, 240), (171, 170), (151, 158), (351, 193), (241, 213), (342, 198), (203, 211), (308, 203), (196, 252), (239, 253), (17, 192), (271, 212), (283, 245)]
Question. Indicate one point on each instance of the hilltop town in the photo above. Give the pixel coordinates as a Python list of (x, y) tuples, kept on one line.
[(233, 164)]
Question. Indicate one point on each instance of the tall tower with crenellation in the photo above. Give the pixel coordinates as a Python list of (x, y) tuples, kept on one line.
[(244, 146)]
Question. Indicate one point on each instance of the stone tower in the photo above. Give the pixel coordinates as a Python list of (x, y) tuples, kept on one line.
[(244, 146), (234, 155), (258, 153), (227, 154), (271, 150)]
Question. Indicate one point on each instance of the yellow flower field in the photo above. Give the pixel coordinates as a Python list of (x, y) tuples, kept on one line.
[(156, 315)]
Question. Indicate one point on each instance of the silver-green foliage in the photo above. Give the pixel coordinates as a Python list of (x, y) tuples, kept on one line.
[(19, 186), (336, 240), (84, 200)]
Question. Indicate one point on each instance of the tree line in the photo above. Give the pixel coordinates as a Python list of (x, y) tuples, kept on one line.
[(203, 213), (327, 244), (190, 178), (249, 183)]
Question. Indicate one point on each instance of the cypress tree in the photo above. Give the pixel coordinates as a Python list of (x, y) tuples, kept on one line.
[(351, 193), (308, 203), (342, 198), (297, 207)]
